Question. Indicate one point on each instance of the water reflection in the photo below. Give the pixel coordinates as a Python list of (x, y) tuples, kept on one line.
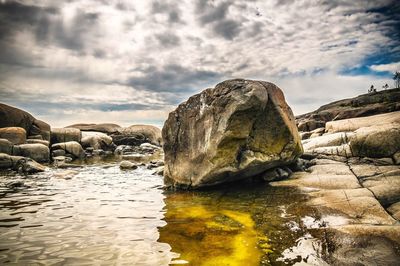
[(246, 224), (98, 214)]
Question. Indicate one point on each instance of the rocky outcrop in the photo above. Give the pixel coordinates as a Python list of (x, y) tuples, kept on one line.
[(16, 135), (20, 164), (59, 135), (236, 130), (14, 117), (97, 140), (37, 152), (72, 148), (137, 134), (364, 105), (104, 128)]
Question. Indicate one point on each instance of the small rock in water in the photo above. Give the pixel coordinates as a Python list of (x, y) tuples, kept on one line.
[(127, 165)]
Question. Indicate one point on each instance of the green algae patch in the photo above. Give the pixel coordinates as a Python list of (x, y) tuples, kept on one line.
[(211, 236)]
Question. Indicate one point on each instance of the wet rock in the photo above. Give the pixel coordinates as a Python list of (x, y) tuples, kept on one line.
[(57, 153), (159, 170), (68, 174), (16, 135), (28, 166), (127, 165), (37, 152), (276, 174), (104, 128), (237, 130), (97, 140), (137, 134), (71, 147), (61, 135)]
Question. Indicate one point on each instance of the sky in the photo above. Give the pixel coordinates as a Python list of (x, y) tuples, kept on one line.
[(131, 62)]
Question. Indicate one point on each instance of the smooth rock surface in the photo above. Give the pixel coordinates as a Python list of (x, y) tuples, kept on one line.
[(239, 129), (37, 152), (71, 147), (16, 135), (107, 128), (96, 140), (137, 134), (60, 135)]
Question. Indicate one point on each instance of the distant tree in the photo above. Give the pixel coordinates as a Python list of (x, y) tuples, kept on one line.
[(385, 87), (372, 89), (396, 78)]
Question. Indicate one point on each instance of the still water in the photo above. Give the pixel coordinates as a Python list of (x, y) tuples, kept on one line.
[(101, 215)]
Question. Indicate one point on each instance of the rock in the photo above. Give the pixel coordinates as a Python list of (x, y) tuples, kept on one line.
[(137, 134), (16, 135), (57, 153), (396, 158), (147, 147), (394, 210), (127, 165), (97, 140), (36, 137), (40, 128), (20, 164), (317, 132), (355, 123), (276, 174), (335, 139), (71, 147), (68, 174), (104, 128), (6, 146), (159, 170), (376, 141), (237, 130), (60, 135), (37, 152), (305, 135), (14, 117), (98, 152), (38, 141), (364, 105), (28, 166)]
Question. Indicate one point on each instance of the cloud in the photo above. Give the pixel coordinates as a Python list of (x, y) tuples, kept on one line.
[(393, 67), (97, 58)]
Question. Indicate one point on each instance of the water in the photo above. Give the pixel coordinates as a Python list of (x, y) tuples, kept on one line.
[(100, 215)]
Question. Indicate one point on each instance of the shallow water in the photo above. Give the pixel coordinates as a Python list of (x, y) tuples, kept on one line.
[(105, 216)]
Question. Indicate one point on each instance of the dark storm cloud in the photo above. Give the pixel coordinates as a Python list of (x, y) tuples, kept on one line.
[(170, 9), (173, 78), (217, 18), (168, 39)]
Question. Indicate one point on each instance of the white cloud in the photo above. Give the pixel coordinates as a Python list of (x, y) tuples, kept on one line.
[(393, 67), (99, 54)]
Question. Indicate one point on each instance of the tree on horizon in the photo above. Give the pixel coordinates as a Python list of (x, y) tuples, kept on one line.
[(396, 78)]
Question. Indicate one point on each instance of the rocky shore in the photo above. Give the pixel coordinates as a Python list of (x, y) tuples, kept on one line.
[(345, 156)]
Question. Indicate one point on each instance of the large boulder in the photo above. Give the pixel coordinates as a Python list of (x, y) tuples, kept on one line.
[(137, 134), (376, 141), (236, 130), (71, 147), (37, 152), (60, 135), (96, 140), (105, 127), (16, 135), (14, 117)]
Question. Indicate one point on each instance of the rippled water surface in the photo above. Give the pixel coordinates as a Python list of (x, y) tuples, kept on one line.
[(98, 214)]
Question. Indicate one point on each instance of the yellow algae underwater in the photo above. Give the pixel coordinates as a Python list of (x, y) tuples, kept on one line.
[(212, 236)]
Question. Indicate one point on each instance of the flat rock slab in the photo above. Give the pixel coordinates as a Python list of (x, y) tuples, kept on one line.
[(359, 205)]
